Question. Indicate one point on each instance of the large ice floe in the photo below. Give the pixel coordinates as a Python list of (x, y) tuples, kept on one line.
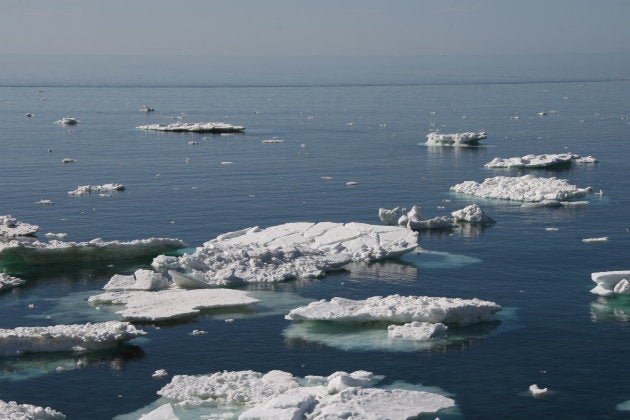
[(10, 226), (549, 161), (13, 411), (58, 252), (9, 282), (89, 189), (207, 127), (284, 252), (74, 337), (455, 139), (611, 283), (527, 188), (249, 395)]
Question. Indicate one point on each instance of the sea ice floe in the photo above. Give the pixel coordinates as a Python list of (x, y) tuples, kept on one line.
[(611, 282), (472, 214), (539, 161), (58, 252), (419, 331), (171, 303), (455, 139), (53, 235), (595, 240), (9, 282), (205, 127), (68, 121), (280, 395), (415, 220), (139, 280), (398, 309), (526, 188), (88, 189), (284, 252), (13, 411), (90, 336), (538, 392), (9, 226)]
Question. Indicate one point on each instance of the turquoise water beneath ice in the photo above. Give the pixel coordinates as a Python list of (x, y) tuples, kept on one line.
[(552, 332)]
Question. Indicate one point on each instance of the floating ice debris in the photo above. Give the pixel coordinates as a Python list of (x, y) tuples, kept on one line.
[(525, 188), (541, 114), (552, 229), (198, 332), (193, 143), (88, 189), (279, 395), (13, 411), (227, 163), (539, 161), (399, 309), (68, 160), (171, 303), (146, 109), (68, 121), (594, 240), (139, 280), (439, 222), (285, 252), (28, 114), (9, 282), (160, 373), (390, 217), (208, 127), (9, 226), (472, 214), (46, 202), (273, 140), (538, 392), (611, 282), (66, 337), (59, 252), (420, 331), (455, 139)]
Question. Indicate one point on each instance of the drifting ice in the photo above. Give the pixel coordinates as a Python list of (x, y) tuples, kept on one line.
[(208, 127), (66, 337), (472, 214), (524, 188), (12, 410), (9, 226), (611, 282), (455, 139), (539, 161), (418, 331), (9, 282), (399, 309), (284, 252), (88, 189), (415, 220)]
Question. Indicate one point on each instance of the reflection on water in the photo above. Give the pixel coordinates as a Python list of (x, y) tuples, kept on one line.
[(607, 309), (433, 259)]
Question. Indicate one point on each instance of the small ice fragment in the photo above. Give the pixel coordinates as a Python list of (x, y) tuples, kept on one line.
[(552, 229), (198, 332), (538, 392), (595, 240), (160, 373), (68, 160), (352, 183), (229, 320), (47, 202), (227, 163)]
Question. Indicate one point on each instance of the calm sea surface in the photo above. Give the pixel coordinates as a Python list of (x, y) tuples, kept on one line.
[(552, 331)]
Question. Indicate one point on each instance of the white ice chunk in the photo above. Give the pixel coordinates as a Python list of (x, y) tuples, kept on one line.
[(539, 161), (14, 411), (472, 214), (9, 282), (390, 217), (9, 226), (68, 121), (293, 404), (419, 331), (595, 240), (163, 412), (399, 309), (525, 188), (171, 303), (439, 222), (538, 392), (88, 189), (285, 252), (455, 139), (139, 280), (204, 127), (66, 337), (611, 282)]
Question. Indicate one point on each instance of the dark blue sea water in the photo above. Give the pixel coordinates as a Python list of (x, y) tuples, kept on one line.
[(552, 331)]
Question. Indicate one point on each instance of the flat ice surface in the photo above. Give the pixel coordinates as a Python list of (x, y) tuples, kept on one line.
[(539, 161), (207, 127), (139, 280), (284, 252), (279, 395), (9, 282), (398, 309), (9, 226), (88, 189), (611, 283), (54, 252), (171, 303), (455, 139), (420, 331), (524, 188), (13, 411), (66, 337), (163, 412)]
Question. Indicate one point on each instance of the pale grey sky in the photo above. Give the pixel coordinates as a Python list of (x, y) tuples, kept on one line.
[(313, 28)]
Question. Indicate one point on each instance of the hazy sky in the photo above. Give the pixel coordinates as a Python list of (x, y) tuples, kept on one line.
[(313, 28)]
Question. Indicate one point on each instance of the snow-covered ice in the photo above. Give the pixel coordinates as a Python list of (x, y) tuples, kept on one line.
[(611, 282), (9, 282), (455, 139), (538, 392), (472, 214), (415, 220), (171, 303), (420, 331), (284, 252), (539, 161), (10, 226), (13, 411), (398, 309), (595, 240), (73, 337), (524, 188), (88, 189), (139, 280), (203, 127)]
